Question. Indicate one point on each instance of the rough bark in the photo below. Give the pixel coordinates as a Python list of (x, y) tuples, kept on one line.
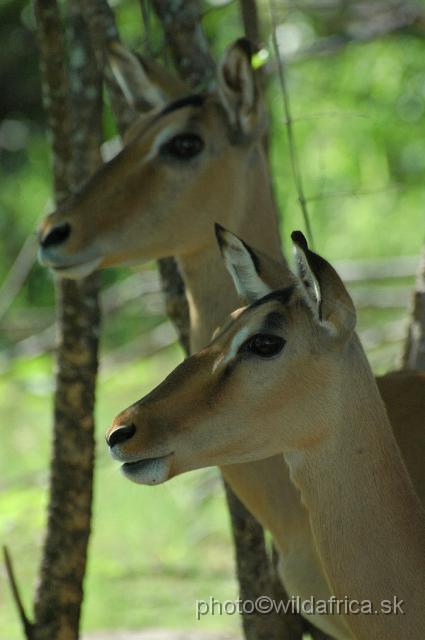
[(414, 348), (172, 286), (101, 22), (258, 580), (181, 21), (75, 144)]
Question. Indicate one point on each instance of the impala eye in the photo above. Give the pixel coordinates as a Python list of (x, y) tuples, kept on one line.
[(264, 345), (183, 147)]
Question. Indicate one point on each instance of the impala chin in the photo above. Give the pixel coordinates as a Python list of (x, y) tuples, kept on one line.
[(79, 268), (77, 271), (149, 471)]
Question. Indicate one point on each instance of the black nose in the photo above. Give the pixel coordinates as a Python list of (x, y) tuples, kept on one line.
[(121, 434), (57, 235)]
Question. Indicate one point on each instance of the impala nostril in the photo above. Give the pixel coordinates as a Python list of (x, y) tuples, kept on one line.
[(121, 434), (57, 235)]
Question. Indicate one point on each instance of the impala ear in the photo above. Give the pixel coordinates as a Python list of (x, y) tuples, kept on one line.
[(144, 84), (237, 86), (323, 289), (243, 265)]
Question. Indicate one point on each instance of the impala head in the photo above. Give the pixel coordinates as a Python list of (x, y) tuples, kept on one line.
[(252, 392), (186, 154)]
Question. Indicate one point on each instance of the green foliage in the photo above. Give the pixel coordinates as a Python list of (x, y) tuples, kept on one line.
[(358, 120)]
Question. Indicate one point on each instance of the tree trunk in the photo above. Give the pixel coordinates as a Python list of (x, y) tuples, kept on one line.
[(181, 21), (258, 580), (101, 23), (414, 348), (76, 142)]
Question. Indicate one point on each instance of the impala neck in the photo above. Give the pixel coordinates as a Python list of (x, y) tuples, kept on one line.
[(263, 486), (210, 292), (364, 512)]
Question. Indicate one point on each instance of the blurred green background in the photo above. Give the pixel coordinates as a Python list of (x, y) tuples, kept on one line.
[(358, 102)]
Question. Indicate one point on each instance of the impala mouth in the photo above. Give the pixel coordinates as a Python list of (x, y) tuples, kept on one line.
[(77, 271), (148, 471), (73, 271)]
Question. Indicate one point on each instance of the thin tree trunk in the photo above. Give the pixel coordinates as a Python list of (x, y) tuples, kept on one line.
[(251, 24), (181, 21), (76, 144), (259, 582), (101, 23), (414, 348)]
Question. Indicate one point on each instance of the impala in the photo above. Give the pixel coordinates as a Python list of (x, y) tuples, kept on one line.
[(287, 375), (185, 163)]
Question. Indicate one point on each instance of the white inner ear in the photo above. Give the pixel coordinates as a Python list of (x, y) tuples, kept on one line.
[(241, 267), (309, 285), (134, 82)]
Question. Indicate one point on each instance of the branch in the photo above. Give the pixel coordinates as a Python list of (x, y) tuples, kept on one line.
[(112, 299), (358, 23), (27, 626), (18, 274), (296, 172)]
